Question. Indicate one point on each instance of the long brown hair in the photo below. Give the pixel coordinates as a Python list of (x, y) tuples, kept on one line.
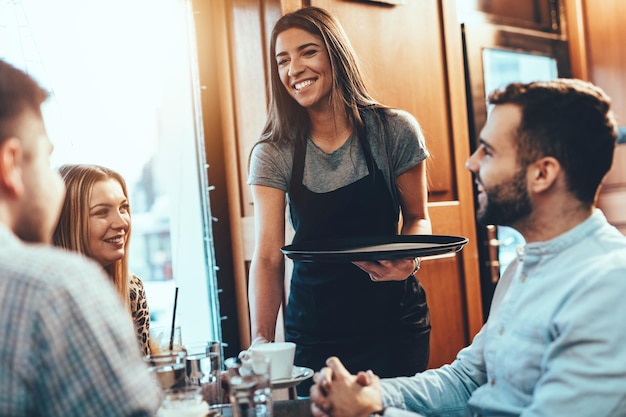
[(287, 121), (72, 229)]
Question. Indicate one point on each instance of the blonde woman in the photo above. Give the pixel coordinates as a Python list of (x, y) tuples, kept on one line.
[(95, 221)]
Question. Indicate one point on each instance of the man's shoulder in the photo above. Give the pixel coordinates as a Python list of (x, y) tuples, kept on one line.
[(599, 253), (48, 266), (609, 241), (610, 252)]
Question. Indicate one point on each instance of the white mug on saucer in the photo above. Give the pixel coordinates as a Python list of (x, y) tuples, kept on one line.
[(281, 356)]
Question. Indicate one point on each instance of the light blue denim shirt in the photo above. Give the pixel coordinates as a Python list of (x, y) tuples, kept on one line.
[(554, 344)]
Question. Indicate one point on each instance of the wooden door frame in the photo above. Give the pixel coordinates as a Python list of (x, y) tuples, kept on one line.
[(220, 21), (459, 129)]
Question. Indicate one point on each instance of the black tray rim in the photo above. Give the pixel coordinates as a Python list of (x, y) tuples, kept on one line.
[(304, 252)]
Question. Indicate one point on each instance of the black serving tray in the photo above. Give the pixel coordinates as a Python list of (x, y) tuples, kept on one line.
[(374, 248)]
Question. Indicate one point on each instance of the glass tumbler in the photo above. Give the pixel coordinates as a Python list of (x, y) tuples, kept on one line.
[(249, 386), (169, 369), (204, 370)]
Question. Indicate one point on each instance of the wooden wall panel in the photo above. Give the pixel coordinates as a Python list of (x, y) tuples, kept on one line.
[(575, 29), (606, 39), (459, 132), (449, 298), (597, 36), (440, 278), (401, 52), (240, 27), (248, 56)]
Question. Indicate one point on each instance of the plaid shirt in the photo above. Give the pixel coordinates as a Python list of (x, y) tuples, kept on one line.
[(67, 345)]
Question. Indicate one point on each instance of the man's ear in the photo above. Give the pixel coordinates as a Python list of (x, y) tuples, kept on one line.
[(11, 154), (543, 174)]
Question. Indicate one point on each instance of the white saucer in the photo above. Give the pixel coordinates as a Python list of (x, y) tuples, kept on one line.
[(298, 374)]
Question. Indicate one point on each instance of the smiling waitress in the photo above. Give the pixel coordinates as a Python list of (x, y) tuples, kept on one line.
[(347, 166)]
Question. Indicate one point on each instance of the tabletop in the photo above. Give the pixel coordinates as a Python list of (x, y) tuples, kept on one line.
[(285, 408), (292, 408)]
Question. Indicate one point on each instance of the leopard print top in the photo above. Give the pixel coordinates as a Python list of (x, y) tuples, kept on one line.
[(140, 312)]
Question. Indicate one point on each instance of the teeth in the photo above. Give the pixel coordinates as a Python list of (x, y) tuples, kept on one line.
[(303, 84), (115, 240)]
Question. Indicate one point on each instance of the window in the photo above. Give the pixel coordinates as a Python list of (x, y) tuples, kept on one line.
[(124, 95)]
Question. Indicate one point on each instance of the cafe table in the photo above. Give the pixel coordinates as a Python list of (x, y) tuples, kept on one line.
[(285, 408), (292, 408)]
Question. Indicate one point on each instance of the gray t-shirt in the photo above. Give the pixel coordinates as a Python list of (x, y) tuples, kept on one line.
[(271, 163)]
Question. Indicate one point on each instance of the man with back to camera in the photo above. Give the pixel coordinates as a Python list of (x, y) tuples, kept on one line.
[(67, 345), (554, 342)]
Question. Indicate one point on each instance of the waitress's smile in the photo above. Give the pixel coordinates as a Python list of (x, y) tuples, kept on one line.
[(302, 85)]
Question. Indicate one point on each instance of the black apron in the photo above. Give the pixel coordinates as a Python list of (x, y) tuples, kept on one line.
[(334, 308)]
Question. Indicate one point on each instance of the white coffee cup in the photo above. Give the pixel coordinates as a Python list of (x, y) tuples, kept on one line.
[(281, 356)]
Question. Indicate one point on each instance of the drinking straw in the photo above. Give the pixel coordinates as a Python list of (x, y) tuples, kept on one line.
[(173, 320)]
